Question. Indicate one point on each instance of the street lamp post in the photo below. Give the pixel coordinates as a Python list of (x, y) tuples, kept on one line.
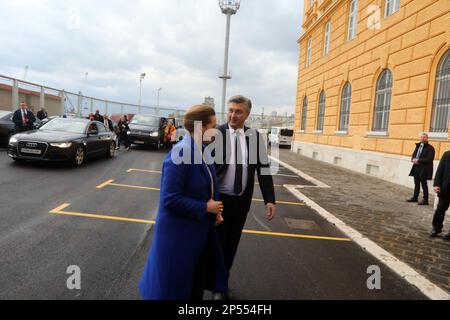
[(159, 90), (157, 102), (229, 8), (140, 90)]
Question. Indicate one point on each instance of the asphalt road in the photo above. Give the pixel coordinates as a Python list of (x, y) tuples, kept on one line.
[(95, 217)]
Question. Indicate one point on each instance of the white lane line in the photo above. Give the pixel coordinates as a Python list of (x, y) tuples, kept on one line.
[(410, 275), (317, 183)]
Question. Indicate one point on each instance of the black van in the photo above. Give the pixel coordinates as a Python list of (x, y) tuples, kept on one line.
[(147, 130)]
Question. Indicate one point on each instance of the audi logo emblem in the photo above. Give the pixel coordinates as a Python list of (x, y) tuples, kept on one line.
[(32, 145)]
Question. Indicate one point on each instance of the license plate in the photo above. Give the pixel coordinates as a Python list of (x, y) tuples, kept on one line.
[(30, 151), (139, 142)]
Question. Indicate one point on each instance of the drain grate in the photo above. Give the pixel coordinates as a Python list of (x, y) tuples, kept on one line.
[(302, 224)]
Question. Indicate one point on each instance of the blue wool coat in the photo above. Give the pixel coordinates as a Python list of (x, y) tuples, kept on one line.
[(183, 229)]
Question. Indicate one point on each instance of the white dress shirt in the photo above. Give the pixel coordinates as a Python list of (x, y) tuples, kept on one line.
[(226, 182), (24, 115)]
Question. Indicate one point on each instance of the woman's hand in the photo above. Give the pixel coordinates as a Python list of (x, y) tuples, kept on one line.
[(219, 219), (214, 207)]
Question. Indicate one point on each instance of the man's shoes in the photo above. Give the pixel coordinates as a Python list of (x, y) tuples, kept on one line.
[(435, 233), (412, 200), (447, 237), (424, 203)]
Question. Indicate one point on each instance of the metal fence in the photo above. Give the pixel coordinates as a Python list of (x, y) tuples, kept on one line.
[(62, 102)]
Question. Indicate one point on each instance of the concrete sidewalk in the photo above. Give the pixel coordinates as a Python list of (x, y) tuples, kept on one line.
[(378, 210)]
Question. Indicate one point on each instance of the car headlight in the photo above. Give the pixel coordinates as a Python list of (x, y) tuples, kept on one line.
[(13, 140), (62, 145), (154, 134)]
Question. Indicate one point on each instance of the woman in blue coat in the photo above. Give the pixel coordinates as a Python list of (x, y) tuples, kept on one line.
[(185, 242)]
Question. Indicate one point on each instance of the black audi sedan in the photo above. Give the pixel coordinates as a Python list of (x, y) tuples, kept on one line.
[(69, 140), (147, 130)]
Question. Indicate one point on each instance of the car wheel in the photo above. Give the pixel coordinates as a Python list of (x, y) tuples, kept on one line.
[(79, 156), (111, 153)]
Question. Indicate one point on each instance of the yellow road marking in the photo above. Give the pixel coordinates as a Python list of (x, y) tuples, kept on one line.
[(111, 183), (159, 172), (283, 202), (104, 184), (134, 187), (290, 235), (61, 211), (142, 170)]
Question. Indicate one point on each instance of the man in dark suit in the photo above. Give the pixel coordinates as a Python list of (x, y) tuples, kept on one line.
[(442, 188), (98, 117), (42, 114), (422, 170), (23, 118), (244, 155)]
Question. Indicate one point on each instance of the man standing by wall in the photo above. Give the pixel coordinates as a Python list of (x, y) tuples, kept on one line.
[(23, 118), (442, 188), (236, 177), (422, 169)]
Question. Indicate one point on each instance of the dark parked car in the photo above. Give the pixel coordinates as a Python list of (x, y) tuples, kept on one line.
[(147, 130), (7, 126), (60, 139)]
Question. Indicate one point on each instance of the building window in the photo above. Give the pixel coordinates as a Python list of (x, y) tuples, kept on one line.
[(304, 113), (346, 100), (308, 52), (326, 46), (321, 111), (311, 3), (353, 20), (392, 6), (441, 102), (383, 102)]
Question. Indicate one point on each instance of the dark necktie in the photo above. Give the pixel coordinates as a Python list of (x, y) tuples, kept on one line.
[(239, 167), (420, 151)]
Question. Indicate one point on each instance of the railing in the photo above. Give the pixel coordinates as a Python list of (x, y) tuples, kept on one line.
[(62, 102)]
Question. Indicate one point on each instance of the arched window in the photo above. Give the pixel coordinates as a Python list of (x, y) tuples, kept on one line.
[(321, 111), (383, 102), (441, 102), (304, 113), (346, 101)]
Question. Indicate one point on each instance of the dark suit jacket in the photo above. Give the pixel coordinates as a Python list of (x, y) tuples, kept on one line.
[(18, 124), (99, 118), (41, 115), (442, 179), (424, 170), (265, 181)]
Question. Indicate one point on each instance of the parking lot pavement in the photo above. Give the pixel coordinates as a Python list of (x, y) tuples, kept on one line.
[(99, 217)]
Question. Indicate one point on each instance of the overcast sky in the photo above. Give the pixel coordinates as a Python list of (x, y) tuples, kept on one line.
[(179, 44)]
